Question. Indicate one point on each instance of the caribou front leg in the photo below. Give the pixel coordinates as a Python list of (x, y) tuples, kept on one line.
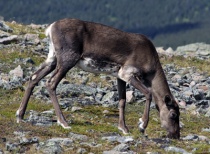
[(128, 74), (122, 101), (143, 122)]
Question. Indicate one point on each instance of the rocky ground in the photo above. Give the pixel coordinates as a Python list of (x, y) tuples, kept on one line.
[(189, 84)]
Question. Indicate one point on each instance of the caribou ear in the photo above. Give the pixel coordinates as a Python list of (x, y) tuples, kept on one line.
[(168, 100)]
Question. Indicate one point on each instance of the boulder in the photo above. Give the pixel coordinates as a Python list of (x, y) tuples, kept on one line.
[(18, 72)]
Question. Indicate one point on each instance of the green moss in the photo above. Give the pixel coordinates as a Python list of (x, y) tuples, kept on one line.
[(42, 36)]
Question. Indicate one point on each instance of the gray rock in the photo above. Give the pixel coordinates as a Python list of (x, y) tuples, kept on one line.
[(122, 147), (81, 151), (5, 27), (109, 96), (79, 137), (75, 90), (4, 34), (38, 119), (1, 151), (208, 112), (9, 39), (91, 144), (195, 49), (24, 60), (32, 39), (18, 72), (208, 95), (203, 138), (61, 141), (176, 150), (110, 99), (12, 147), (25, 141), (120, 139), (10, 82), (191, 137), (130, 96), (197, 94), (118, 152), (206, 129), (99, 97), (50, 147), (75, 108)]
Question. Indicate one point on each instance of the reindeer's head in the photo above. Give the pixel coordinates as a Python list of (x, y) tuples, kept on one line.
[(169, 117)]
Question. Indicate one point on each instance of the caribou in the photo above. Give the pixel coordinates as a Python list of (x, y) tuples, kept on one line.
[(97, 48)]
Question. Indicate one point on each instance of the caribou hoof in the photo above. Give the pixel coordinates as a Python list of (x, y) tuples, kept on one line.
[(18, 118), (140, 124), (63, 125), (124, 131)]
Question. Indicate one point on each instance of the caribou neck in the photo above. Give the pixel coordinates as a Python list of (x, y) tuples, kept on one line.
[(160, 87)]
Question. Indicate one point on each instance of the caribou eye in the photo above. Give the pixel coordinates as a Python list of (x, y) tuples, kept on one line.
[(173, 115)]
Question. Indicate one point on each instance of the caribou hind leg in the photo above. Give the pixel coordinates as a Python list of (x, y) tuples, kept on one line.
[(44, 70), (122, 101), (64, 64)]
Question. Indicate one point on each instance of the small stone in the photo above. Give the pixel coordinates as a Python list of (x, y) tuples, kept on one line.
[(205, 129), (17, 72), (3, 139), (32, 38), (197, 94), (208, 95), (61, 141), (9, 39), (109, 96), (80, 137), (203, 88), (5, 27), (105, 112), (122, 147), (169, 50), (11, 147), (120, 139), (1, 151), (192, 84), (81, 151), (191, 137), (176, 77), (130, 96), (197, 78), (203, 138), (50, 147), (75, 108), (182, 103), (208, 113), (188, 93), (98, 97), (176, 150)]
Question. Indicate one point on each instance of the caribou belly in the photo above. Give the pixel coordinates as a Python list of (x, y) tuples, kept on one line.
[(96, 66)]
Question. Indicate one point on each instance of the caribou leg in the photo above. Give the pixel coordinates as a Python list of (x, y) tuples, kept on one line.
[(143, 122), (64, 64), (44, 70), (122, 101)]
